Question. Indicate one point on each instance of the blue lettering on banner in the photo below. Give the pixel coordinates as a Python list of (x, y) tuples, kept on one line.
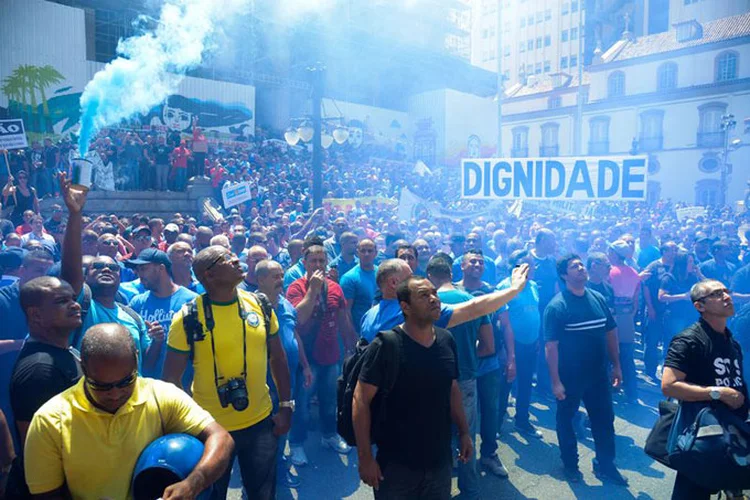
[(565, 178)]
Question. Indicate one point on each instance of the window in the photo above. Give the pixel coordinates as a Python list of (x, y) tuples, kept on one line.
[(599, 135), (574, 33), (565, 8), (538, 69), (709, 163), (539, 17), (520, 142), (666, 76), (563, 62), (547, 66), (530, 45), (651, 136), (538, 42), (564, 35), (707, 192), (726, 66), (554, 102), (549, 146), (548, 14), (584, 96), (523, 22), (616, 85), (574, 6), (573, 61), (710, 134), (547, 40), (521, 46), (530, 20)]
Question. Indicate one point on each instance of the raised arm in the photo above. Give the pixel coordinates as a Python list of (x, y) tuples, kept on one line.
[(72, 253)]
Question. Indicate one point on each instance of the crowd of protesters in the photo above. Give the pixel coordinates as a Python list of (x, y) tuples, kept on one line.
[(333, 277)]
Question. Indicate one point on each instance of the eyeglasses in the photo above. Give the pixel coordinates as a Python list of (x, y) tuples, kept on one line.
[(226, 257), (112, 243), (716, 294), (120, 384), (143, 237), (98, 266)]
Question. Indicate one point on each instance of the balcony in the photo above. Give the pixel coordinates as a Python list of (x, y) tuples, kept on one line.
[(519, 152), (710, 139), (599, 148), (549, 150), (650, 143)]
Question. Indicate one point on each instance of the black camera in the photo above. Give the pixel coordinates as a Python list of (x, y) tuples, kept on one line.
[(234, 392)]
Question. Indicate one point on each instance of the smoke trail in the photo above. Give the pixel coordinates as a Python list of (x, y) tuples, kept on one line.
[(150, 66)]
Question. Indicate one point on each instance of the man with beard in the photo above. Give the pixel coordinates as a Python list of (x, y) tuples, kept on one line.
[(96, 291), (162, 299)]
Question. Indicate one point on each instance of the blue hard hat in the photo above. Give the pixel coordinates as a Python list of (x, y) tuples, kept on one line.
[(167, 460)]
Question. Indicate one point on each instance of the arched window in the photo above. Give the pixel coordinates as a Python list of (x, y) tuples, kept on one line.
[(707, 192), (726, 66), (550, 133), (520, 142), (666, 76), (599, 135), (710, 134), (651, 134), (616, 85)]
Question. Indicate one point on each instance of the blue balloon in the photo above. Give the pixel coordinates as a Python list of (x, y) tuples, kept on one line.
[(167, 460)]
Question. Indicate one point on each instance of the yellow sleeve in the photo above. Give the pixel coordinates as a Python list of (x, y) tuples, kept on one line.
[(43, 462), (177, 340), (181, 413)]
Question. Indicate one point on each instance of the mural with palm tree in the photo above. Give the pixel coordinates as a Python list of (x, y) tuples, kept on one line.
[(23, 86)]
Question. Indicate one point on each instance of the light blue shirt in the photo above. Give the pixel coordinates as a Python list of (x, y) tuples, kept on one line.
[(387, 314), (523, 312), (359, 287)]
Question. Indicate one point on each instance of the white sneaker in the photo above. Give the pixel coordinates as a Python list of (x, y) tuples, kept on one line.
[(336, 443), (494, 465), (298, 456)]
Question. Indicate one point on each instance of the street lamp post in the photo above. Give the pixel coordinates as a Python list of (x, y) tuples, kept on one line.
[(317, 75), (728, 123)]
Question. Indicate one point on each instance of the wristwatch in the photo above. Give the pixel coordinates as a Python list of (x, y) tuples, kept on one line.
[(714, 393), (288, 404)]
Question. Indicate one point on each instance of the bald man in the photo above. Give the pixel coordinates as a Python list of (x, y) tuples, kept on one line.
[(255, 254), (85, 441)]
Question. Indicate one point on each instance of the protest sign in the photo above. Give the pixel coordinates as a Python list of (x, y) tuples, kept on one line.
[(12, 134), (235, 194), (609, 178), (690, 213)]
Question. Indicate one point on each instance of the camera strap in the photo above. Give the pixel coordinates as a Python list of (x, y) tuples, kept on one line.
[(210, 324)]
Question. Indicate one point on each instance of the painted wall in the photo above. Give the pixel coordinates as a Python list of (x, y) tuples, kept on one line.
[(45, 43)]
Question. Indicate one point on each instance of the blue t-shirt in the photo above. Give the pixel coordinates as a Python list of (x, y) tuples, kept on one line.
[(287, 316), (161, 309), (359, 287), (465, 335), (100, 314), (387, 314), (126, 274), (342, 266), (131, 289), (523, 312), (489, 275), (489, 363), (293, 274)]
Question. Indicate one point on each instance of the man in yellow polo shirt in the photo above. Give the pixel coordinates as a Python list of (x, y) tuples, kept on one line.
[(229, 380), (85, 441)]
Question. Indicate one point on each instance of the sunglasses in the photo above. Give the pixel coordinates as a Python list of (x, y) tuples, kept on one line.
[(226, 257), (120, 384), (99, 266), (111, 243), (143, 237), (716, 294)]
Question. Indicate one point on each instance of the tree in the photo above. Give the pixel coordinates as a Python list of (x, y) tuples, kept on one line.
[(44, 77)]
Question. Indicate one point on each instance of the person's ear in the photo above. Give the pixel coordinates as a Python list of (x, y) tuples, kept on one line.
[(699, 306)]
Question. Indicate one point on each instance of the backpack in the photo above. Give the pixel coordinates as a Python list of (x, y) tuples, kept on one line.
[(86, 307), (347, 382), (194, 330)]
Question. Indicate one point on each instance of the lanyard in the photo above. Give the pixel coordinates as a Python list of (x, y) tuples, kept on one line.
[(210, 324)]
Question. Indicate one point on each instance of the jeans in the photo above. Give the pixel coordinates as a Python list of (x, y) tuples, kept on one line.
[(468, 477), (525, 358), (652, 336), (281, 466), (404, 483), (180, 179), (543, 383), (488, 389), (134, 172), (162, 174), (324, 385), (627, 364), (255, 448), (596, 395)]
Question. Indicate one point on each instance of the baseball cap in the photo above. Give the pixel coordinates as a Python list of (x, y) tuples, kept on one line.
[(621, 248), (12, 258), (151, 256), (171, 228), (141, 228)]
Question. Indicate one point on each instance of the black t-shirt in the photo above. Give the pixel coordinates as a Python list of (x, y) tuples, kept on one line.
[(50, 157), (714, 271), (545, 276), (161, 154), (655, 272), (580, 325), (41, 372), (708, 358), (417, 426), (606, 291), (679, 308)]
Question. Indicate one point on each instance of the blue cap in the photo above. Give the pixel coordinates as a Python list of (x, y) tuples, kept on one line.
[(12, 258), (151, 256)]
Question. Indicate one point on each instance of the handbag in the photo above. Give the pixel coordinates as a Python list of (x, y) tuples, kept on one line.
[(714, 449), (656, 442)]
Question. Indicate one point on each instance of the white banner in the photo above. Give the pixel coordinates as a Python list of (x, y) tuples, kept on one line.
[(235, 194), (622, 178), (12, 134), (690, 213)]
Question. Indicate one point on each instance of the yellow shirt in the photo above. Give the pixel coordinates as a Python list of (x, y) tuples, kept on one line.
[(94, 452), (228, 341)]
